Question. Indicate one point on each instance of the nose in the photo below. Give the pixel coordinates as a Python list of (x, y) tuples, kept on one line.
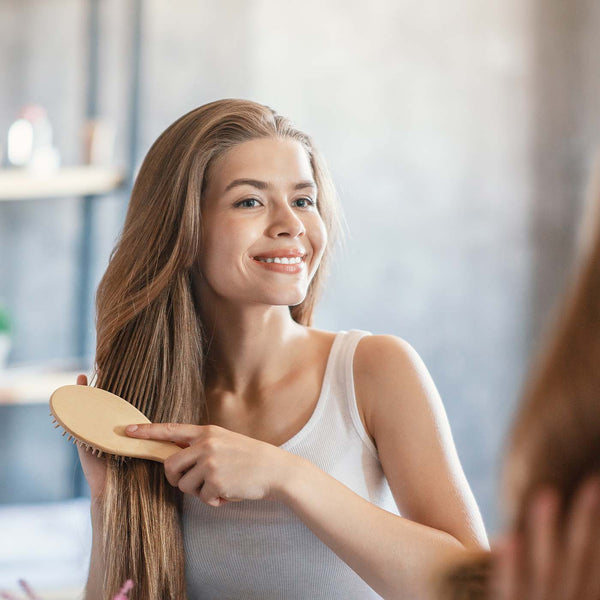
[(285, 223)]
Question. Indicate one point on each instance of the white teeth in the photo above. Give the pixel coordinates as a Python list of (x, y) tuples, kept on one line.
[(284, 260)]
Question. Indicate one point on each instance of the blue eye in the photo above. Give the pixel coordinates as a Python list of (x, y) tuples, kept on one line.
[(310, 201), (244, 203)]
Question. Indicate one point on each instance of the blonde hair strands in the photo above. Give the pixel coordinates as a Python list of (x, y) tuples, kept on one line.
[(150, 339)]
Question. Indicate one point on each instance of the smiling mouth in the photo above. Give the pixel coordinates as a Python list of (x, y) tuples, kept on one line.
[(292, 260), (287, 265)]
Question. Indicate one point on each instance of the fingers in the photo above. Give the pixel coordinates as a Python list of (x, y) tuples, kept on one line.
[(593, 592), (193, 483), (182, 434), (82, 379), (506, 581), (542, 544), (192, 475), (580, 542), (524, 565), (543, 564), (178, 464)]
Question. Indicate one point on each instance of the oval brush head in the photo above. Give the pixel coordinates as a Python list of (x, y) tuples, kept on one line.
[(97, 419)]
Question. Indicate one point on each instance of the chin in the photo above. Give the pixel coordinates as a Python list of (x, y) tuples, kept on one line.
[(288, 299)]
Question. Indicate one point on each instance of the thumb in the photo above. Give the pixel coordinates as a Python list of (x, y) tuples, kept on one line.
[(82, 379)]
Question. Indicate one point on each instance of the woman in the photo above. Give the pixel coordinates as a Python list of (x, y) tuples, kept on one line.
[(552, 472), (204, 320)]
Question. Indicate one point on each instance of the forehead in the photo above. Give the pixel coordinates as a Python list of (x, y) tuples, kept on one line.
[(280, 161)]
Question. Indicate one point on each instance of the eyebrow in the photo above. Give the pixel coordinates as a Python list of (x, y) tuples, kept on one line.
[(263, 185)]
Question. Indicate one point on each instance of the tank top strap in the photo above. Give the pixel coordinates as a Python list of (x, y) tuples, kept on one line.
[(343, 375)]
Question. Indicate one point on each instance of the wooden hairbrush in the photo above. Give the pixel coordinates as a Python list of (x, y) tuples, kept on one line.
[(97, 419)]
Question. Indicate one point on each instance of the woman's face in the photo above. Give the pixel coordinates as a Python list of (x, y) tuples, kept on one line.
[(263, 236)]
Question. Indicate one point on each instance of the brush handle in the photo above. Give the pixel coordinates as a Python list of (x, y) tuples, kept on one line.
[(161, 451)]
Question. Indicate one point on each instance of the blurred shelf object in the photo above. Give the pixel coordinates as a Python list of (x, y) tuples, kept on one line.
[(33, 384), (85, 180)]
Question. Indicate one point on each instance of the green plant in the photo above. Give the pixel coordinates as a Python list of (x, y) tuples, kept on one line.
[(4, 320)]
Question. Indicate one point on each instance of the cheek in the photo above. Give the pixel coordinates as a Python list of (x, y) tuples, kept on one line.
[(225, 250), (318, 238)]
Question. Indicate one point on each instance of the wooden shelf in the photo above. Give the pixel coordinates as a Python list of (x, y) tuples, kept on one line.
[(85, 180), (34, 384)]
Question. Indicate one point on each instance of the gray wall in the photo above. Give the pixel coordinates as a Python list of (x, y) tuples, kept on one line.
[(459, 136)]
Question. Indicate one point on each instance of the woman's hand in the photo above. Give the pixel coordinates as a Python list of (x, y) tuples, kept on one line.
[(548, 562), (217, 465), (94, 468)]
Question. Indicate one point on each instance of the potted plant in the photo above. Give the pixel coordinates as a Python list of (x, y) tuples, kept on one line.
[(5, 341)]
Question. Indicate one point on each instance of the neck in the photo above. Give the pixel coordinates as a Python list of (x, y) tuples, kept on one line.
[(250, 347)]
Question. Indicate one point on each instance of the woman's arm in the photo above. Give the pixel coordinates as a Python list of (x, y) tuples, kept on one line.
[(396, 556), (407, 420)]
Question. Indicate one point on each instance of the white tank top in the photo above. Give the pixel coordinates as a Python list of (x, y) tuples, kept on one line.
[(259, 549)]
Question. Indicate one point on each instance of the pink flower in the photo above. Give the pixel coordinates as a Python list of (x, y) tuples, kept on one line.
[(122, 595)]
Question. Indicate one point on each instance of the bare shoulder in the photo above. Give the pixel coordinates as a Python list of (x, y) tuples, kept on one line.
[(314, 353), (385, 367), (382, 360), (320, 341), (322, 334), (407, 419), (373, 352)]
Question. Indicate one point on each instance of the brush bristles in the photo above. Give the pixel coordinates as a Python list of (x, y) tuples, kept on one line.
[(73, 439)]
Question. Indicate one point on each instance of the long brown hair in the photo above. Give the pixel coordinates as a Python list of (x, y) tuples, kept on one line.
[(555, 436), (150, 338)]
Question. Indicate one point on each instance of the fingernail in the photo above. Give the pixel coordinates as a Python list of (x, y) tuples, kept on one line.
[(131, 428)]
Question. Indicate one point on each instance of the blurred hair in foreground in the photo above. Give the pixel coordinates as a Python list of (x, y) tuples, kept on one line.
[(555, 437)]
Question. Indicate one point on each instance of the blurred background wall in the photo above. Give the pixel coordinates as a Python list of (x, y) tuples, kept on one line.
[(460, 136)]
